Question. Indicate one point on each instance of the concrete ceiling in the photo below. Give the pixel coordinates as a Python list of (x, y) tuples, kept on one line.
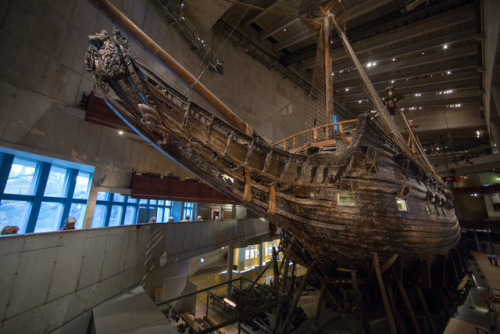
[(438, 54)]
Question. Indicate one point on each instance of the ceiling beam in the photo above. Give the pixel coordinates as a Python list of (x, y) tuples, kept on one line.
[(363, 8), (419, 29), (424, 86), (278, 26), (305, 34), (413, 48), (264, 12), (351, 79)]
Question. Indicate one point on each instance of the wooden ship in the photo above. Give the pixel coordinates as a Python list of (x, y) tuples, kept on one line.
[(344, 190)]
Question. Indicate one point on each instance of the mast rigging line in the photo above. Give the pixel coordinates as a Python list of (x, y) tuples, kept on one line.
[(220, 48)]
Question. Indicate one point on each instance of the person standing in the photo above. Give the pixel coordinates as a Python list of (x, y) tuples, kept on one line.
[(69, 224), (10, 230)]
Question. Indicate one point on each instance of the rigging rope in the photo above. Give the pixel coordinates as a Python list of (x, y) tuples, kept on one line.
[(217, 52)]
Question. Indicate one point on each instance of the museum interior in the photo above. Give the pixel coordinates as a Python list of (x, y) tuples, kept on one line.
[(250, 166)]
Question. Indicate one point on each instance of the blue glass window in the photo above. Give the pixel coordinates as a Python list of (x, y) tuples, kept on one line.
[(168, 213), (22, 178), (77, 210), (188, 210), (99, 215), (49, 217), (118, 198), (82, 185), (116, 215), (14, 213), (130, 215), (159, 215), (102, 196), (57, 183)]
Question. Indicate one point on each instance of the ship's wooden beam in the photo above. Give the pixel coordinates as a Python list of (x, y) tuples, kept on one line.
[(426, 310), (406, 301), (320, 304), (286, 262), (118, 18), (295, 301), (359, 298), (383, 292), (392, 302)]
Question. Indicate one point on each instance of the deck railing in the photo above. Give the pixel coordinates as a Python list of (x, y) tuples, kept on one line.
[(318, 132)]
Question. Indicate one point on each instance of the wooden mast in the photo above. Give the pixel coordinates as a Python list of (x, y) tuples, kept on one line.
[(328, 73), (118, 18)]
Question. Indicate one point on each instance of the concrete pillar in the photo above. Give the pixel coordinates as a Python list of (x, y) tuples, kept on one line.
[(89, 211), (229, 275)]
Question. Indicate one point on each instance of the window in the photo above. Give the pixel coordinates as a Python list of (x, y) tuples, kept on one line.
[(49, 217), (428, 209), (99, 216), (116, 215), (118, 209), (402, 206), (130, 215), (14, 213), (118, 198), (57, 182), (102, 196), (21, 179), (38, 194), (188, 210), (77, 210), (159, 215), (82, 184), (347, 198)]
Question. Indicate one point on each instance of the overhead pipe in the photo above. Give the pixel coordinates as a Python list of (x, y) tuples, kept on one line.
[(118, 18)]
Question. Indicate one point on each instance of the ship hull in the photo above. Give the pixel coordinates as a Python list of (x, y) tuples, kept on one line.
[(344, 203)]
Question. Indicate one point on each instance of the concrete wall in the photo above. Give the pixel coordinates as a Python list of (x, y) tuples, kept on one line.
[(42, 78), (51, 281)]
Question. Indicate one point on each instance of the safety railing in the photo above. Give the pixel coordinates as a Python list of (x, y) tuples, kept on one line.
[(326, 134)]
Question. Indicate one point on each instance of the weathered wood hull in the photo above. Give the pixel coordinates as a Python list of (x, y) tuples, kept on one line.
[(340, 204)]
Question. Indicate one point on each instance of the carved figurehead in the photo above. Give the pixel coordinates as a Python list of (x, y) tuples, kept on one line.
[(103, 57)]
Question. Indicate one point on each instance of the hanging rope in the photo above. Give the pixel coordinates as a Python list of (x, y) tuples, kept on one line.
[(217, 52)]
